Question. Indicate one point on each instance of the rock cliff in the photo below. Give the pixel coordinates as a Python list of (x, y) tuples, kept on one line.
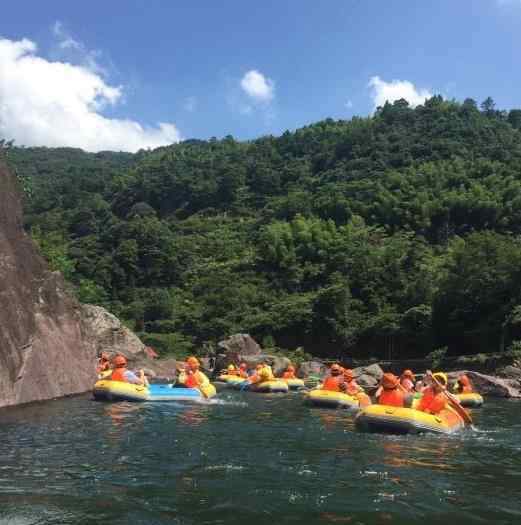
[(45, 351)]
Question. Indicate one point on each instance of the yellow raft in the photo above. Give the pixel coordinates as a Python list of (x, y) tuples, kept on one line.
[(294, 384), (275, 386), (395, 420), (473, 400), (330, 399), (108, 390), (230, 380)]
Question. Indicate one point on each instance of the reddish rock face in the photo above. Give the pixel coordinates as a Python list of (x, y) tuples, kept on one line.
[(45, 351)]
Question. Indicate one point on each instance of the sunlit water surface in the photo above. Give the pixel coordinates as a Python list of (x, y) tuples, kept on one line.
[(249, 459)]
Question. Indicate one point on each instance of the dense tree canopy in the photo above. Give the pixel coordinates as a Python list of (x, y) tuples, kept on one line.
[(393, 233)]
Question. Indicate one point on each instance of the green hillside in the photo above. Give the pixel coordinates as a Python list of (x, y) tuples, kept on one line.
[(389, 235)]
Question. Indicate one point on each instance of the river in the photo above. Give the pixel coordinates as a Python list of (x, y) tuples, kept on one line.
[(249, 459)]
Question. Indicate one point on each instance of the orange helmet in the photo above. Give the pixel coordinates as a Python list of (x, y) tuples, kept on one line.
[(119, 361), (389, 381), (290, 368), (243, 366), (408, 373), (348, 374), (192, 362)]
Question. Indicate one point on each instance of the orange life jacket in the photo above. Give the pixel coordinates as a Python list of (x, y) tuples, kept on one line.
[(191, 381), (432, 402), (466, 389), (332, 383), (288, 375), (118, 374), (393, 397)]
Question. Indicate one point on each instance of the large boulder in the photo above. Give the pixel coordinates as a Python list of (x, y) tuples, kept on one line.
[(109, 334), (45, 351), (312, 368), (242, 344), (368, 377), (235, 349), (490, 385)]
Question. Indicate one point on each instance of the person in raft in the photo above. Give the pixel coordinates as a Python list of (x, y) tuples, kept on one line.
[(232, 370), (349, 385), (390, 392), (263, 373), (433, 400), (334, 379), (103, 363), (289, 373), (407, 381), (191, 377), (463, 385), (120, 372), (243, 370)]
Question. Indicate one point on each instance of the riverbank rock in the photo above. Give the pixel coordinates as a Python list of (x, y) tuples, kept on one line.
[(235, 349), (368, 377), (312, 368), (44, 351), (109, 334), (490, 385)]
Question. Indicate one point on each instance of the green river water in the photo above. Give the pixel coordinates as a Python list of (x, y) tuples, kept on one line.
[(249, 459)]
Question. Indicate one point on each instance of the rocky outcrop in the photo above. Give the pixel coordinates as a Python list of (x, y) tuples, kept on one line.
[(368, 377), (235, 349), (312, 368), (44, 348), (109, 334), (491, 385)]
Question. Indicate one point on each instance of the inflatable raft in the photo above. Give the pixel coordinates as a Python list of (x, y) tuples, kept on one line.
[(229, 380), (107, 390), (395, 420), (329, 399), (275, 386), (473, 400), (294, 384)]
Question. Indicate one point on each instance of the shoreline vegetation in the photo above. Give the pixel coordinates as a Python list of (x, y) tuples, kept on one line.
[(395, 236)]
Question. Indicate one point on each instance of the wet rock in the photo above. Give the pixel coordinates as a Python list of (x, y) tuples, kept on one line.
[(110, 335), (242, 344)]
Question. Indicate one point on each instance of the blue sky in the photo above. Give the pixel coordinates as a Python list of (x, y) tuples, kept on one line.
[(102, 75)]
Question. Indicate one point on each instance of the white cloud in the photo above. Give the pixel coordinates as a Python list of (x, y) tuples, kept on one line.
[(257, 86), (47, 103), (349, 104), (383, 91)]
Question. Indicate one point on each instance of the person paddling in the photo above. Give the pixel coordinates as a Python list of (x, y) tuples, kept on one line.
[(191, 376), (463, 385), (120, 372), (103, 363), (433, 400), (333, 380), (243, 370), (390, 392), (349, 384), (407, 380), (289, 373)]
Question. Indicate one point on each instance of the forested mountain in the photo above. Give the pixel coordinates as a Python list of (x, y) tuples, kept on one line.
[(396, 233)]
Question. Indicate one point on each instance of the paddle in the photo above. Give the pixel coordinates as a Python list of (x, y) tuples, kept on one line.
[(453, 400)]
